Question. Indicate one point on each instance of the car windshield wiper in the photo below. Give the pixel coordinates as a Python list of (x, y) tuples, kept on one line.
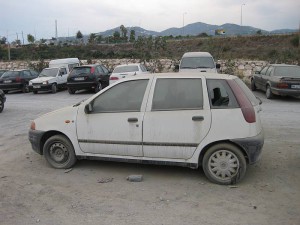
[(203, 67), (43, 75)]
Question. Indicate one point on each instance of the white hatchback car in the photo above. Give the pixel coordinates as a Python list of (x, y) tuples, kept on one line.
[(171, 119), (127, 70)]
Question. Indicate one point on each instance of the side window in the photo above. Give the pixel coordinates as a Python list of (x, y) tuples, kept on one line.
[(270, 71), (264, 70), (63, 71), (26, 74), (99, 70), (124, 97), (220, 95), (105, 70), (71, 66), (34, 73), (177, 94)]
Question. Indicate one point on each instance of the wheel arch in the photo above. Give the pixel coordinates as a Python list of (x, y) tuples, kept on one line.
[(49, 134), (204, 150)]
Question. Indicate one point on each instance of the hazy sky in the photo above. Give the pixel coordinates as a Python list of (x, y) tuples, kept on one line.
[(37, 17)]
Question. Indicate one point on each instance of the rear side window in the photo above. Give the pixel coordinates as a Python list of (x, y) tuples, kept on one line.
[(11, 74), (220, 94), (177, 94)]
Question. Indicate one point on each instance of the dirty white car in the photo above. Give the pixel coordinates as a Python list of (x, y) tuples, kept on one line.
[(172, 119)]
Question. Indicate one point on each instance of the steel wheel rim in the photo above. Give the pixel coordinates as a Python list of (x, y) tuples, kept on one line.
[(223, 165), (59, 153)]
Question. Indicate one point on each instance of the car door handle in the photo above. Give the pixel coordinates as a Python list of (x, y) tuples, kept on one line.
[(197, 118), (132, 120)]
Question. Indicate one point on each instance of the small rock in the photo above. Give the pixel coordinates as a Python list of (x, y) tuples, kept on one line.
[(233, 186), (161, 198), (254, 207), (135, 178), (105, 180), (38, 220), (68, 170)]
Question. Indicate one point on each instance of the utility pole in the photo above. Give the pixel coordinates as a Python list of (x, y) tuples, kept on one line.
[(8, 46), (23, 37), (242, 14)]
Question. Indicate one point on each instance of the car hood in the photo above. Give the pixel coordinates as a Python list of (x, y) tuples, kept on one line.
[(41, 79)]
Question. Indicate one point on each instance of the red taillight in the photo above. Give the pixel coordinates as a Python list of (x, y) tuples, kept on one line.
[(18, 79), (92, 69), (114, 78), (244, 102), (282, 85)]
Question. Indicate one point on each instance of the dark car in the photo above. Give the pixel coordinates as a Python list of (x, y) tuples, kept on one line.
[(2, 72), (17, 80), (92, 77), (277, 79), (2, 100)]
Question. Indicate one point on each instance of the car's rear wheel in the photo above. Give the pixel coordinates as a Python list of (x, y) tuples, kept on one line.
[(224, 164), (71, 91), (35, 92), (59, 152), (269, 93), (5, 92), (54, 88), (1, 105), (25, 88), (98, 88), (253, 86)]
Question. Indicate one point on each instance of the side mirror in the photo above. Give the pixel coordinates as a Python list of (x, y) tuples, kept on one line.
[(88, 108), (218, 65)]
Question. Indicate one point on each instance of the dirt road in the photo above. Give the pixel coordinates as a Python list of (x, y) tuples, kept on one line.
[(33, 193)]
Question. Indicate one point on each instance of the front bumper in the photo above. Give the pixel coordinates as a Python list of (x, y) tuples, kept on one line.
[(252, 146), (40, 87), (35, 137)]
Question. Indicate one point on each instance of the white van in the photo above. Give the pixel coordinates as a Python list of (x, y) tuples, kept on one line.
[(198, 62), (54, 77)]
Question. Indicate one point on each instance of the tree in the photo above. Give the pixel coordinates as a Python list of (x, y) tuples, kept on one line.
[(123, 32), (92, 38), (132, 36), (2, 40), (259, 32), (99, 39), (30, 38), (116, 36), (79, 36)]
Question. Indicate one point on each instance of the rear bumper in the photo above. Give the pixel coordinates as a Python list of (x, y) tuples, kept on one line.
[(286, 92), (252, 146), (82, 85), (35, 137), (10, 87)]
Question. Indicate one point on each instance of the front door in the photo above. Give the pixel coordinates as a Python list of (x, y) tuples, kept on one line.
[(114, 124), (177, 120)]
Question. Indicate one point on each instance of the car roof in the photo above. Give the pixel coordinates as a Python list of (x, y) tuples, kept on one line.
[(129, 64), (184, 75), (197, 54)]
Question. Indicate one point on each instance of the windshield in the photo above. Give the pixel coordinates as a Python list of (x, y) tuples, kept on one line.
[(11, 74), (80, 70), (49, 72), (197, 62), (126, 69), (287, 71)]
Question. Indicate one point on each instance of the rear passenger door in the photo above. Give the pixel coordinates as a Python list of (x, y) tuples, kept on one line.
[(176, 120)]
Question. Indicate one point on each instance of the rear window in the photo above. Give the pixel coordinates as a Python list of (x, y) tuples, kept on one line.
[(80, 70), (197, 62), (287, 71), (126, 69), (11, 74), (247, 91)]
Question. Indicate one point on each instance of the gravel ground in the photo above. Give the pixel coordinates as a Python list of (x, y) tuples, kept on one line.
[(96, 192)]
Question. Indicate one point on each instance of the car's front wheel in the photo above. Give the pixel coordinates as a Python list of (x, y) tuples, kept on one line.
[(253, 86), (1, 105), (224, 164), (25, 88), (71, 91), (59, 152), (269, 93), (54, 88)]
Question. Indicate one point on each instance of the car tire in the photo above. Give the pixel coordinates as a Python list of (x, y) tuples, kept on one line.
[(224, 164), (269, 93), (59, 152), (35, 92), (53, 88), (253, 86), (5, 92), (1, 105), (25, 88), (98, 87), (71, 91)]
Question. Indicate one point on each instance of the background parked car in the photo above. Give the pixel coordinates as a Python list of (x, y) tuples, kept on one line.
[(2, 100), (2, 71), (127, 70), (93, 77), (17, 80), (277, 79)]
